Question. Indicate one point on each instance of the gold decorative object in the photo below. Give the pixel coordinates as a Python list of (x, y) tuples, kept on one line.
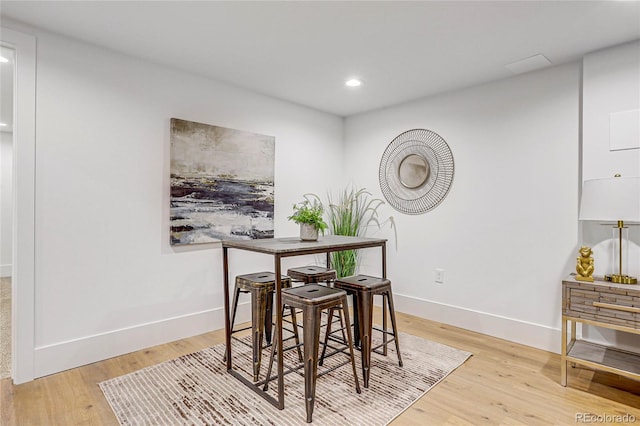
[(584, 268)]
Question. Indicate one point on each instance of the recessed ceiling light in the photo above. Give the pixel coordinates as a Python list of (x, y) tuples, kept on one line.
[(3, 124), (354, 82), (3, 59)]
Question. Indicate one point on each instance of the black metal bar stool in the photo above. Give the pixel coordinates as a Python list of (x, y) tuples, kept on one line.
[(313, 299), (363, 288), (261, 286)]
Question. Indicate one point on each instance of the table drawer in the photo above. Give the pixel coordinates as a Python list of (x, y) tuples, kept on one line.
[(610, 306)]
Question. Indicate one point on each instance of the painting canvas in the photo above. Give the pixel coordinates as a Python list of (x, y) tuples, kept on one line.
[(222, 184)]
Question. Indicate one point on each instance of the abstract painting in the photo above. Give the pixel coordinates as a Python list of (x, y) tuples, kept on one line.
[(222, 184)]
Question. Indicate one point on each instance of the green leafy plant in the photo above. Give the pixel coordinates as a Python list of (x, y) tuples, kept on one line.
[(351, 213), (309, 213)]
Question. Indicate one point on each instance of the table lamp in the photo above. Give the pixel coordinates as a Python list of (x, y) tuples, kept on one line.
[(615, 199)]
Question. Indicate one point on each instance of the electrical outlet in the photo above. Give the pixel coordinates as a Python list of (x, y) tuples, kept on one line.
[(439, 275)]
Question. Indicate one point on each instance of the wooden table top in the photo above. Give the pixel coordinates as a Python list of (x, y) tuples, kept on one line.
[(294, 245)]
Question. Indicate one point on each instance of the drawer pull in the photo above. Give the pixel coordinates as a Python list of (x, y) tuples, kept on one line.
[(617, 307)]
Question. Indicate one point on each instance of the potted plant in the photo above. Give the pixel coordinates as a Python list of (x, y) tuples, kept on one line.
[(309, 216)]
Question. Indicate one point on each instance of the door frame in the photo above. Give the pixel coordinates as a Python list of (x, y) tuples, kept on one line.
[(24, 169)]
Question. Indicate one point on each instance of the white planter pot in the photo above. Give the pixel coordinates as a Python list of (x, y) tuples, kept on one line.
[(308, 232)]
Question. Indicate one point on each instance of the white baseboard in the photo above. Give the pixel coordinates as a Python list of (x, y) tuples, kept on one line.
[(526, 333), (5, 270), (62, 356)]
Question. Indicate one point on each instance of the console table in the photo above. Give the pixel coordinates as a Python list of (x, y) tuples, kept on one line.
[(603, 304), (279, 248)]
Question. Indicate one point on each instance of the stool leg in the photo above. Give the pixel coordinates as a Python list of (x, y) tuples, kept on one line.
[(365, 316), (384, 324), (344, 338), (268, 318), (294, 323), (259, 308), (330, 315), (311, 333), (267, 379), (356, 322), (392, 311), (345, 312), (234, 306), (327, 333)]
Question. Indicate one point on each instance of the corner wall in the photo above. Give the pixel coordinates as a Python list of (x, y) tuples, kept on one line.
[(507, 232)]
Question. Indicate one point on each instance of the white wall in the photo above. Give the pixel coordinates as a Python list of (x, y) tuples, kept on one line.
[(6, 203), (107, 280), (611, 83), (506, 234)]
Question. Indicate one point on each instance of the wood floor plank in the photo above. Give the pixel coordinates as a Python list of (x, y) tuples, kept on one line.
[(502, 383)]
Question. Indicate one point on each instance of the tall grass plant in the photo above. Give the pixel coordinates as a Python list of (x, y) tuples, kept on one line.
[(351, 213)]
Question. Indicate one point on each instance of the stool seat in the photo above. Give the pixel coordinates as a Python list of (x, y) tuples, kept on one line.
[(267, 280), (363, 288), (313, 294), (311, 274), (360, 282), (312, 299)]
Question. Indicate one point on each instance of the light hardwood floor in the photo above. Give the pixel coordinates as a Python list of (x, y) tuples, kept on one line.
[(503, 383), (5, 327)]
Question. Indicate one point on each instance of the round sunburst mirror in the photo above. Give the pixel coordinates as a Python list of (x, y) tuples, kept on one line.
[(416, 171)]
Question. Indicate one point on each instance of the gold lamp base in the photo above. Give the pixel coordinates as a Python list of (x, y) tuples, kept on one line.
[(621, 279)]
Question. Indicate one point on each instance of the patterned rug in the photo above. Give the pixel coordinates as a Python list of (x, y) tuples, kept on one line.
[(196, 389)]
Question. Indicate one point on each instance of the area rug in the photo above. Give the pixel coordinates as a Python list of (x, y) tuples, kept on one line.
[(196, 389)]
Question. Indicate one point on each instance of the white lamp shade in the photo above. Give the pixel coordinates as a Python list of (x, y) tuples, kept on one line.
[(611, 199)]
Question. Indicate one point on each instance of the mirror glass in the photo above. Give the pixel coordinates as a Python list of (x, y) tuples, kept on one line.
[(413, 171)]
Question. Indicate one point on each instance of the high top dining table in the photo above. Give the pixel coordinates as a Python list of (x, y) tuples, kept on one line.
[(279, 248)]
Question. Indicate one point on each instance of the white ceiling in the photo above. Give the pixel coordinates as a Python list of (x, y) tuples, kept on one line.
[(303, 51)]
